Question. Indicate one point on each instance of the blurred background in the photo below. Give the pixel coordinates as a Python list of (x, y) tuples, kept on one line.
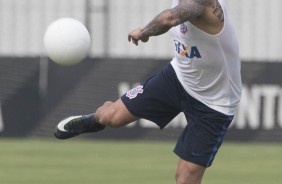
[(35, 93)]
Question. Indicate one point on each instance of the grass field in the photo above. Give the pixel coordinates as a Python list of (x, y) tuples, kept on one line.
[(103, 162)]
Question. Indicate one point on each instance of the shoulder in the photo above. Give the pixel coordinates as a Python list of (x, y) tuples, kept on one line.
[(215, 9), (212, 18)]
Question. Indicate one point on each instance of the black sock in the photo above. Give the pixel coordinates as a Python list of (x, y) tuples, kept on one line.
[(91, 123), (89, 118)]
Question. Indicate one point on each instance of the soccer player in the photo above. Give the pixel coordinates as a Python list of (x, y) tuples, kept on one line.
[(203, 81)]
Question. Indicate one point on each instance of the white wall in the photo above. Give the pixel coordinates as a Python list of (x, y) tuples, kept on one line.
[(23, 23), (257, 23)]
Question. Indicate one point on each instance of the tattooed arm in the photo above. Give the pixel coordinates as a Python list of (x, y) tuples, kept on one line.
[(186, 10)]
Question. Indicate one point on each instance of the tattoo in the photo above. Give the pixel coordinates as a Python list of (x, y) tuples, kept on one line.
[(189, 9), (155, 27), (217, 9), (186, 10)]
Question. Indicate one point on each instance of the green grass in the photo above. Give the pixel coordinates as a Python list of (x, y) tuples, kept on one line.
[(133, 162)]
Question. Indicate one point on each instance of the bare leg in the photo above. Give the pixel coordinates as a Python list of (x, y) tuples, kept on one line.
[(114, 114), (189, 173)]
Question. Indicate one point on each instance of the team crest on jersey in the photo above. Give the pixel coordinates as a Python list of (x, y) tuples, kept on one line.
[(134, 92), (183, 28)]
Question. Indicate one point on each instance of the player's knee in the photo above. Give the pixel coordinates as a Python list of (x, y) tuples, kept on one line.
[(180, 178), (185, 179), (188, 176)]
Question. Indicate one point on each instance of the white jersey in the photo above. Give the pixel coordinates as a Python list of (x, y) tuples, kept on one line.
[(208, 66)]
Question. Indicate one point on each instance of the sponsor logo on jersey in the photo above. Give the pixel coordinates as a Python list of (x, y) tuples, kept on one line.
[(186, 51), (183, 28), (134, 92)]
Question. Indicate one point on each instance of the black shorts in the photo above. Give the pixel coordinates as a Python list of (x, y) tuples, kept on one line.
[(161, 98)]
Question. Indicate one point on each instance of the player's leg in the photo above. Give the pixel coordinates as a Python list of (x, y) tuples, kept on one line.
[(113, 114), (189, 173), (200, 140), (156, 99)]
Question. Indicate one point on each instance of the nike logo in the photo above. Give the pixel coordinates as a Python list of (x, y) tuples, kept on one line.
[(61, 125), (200, 154)]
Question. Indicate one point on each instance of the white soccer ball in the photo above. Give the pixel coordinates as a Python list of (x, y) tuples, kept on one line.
[(66, 41)]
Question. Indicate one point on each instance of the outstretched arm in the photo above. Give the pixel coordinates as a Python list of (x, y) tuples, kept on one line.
[(186, 10)]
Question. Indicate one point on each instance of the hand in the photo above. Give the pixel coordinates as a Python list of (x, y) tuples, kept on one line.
[(137, 35)]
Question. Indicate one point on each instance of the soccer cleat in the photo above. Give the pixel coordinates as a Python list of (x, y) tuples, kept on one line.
[(76, 125)]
